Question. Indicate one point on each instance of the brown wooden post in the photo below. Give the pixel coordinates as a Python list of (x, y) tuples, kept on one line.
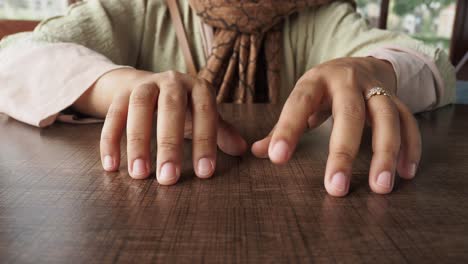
[(459, 45), (8, 27), (384, 6)]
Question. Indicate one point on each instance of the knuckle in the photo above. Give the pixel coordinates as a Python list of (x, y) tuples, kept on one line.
[(169, 77), (109, 139), (301, 98), (386, 110), (312, 78), (203, 99), (354, 111), (315, 73), (115, 112), (135, 138), (142, 95), (121, 97), (202, 89), (174, 99), (349, 72), (389, 150), (172, 75), (345, 68), (204, 107), (168, 144), (343, 153), (204, 140), (285, 125), (204, 83), (205, 86)]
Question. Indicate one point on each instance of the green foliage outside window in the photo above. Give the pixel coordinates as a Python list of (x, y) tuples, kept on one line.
[(428, 20)]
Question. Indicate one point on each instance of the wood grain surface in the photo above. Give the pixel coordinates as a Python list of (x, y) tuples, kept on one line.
[(57, 205)]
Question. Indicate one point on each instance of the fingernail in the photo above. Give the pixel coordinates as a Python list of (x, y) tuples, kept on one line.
[(280, 151), (168, 173), (339, 181), (108, 163), (385, 179), (412, 169), (205, 167), (139, 168)]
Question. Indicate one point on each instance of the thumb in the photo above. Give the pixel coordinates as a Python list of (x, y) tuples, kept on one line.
[(260, 148), (229, 139)]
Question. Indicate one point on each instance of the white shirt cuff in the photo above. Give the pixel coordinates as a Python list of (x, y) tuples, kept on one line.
[(419, 84), (39, 80)]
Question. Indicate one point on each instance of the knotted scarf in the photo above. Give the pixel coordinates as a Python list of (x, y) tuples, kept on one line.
[(247, 34)]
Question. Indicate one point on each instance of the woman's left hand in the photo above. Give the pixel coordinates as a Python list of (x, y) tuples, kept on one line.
[(338, 88)]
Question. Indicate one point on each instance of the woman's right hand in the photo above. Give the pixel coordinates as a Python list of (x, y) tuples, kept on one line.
[(129, 99)]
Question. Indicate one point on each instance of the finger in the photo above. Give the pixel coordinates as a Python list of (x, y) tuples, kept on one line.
[(319, 116), (410, 150), (172, 104), (230, 140), (303, 101), (260, 148), (317, 119), (188, 127), (205, 119), (139, 126), (349, 115), (112, 131), (386, 139)]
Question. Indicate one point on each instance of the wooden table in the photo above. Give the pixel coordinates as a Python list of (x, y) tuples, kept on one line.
[(58, 205)]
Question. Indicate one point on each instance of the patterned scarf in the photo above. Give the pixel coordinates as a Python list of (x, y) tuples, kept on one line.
[(248, 34)]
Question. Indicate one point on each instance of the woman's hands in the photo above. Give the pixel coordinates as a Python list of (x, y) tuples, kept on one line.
[(129, 99), (336, 88)]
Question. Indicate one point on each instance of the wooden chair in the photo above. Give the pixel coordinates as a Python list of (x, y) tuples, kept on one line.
[(8, 27), (459, 47)]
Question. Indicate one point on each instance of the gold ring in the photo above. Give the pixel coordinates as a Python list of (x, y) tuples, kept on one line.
[(377, 91)]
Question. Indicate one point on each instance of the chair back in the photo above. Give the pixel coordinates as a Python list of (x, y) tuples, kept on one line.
[(8, 27)]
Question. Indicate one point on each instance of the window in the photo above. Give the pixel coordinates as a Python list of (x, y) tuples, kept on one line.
[(428, 20), (31, 9), (370, 9)]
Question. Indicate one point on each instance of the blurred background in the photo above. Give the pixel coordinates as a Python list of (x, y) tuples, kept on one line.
[(427, 20)]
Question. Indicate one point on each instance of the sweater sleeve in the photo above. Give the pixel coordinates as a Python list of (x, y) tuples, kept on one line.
[(38, 81), (45, 71), (113, 28)]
